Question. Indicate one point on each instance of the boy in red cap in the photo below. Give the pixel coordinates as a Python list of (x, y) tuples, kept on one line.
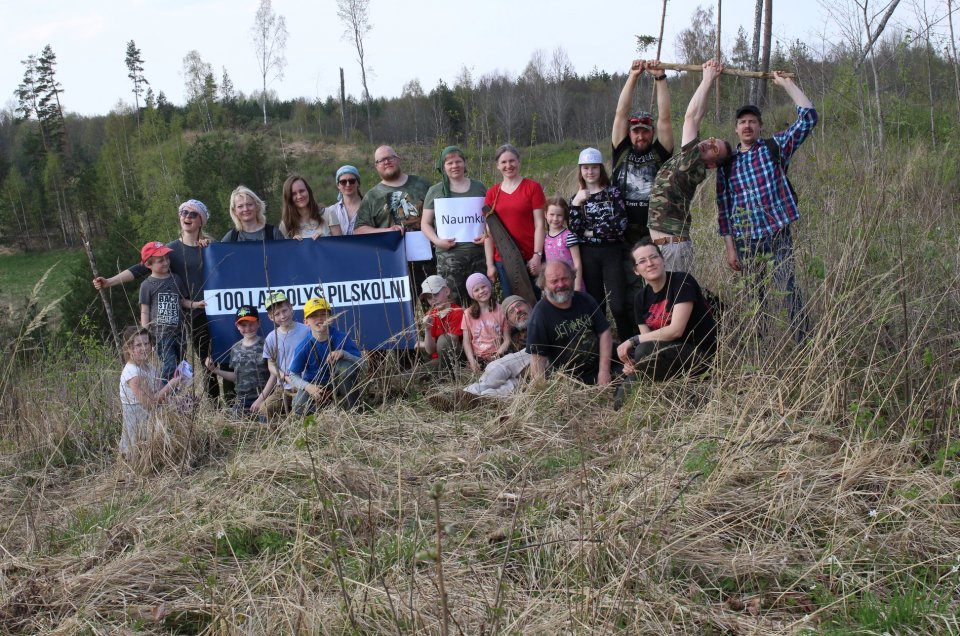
[(163, 295)]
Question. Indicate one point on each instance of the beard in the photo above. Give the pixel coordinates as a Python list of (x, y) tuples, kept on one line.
[(520, 324), (560, 296)]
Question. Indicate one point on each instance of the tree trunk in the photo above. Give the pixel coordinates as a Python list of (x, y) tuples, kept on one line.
[(765, 59), (953, 51), (716, 55), (876, 82), (343, 107), (755, 51)]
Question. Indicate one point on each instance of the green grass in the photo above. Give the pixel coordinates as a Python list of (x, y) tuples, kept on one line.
[(20, 272)]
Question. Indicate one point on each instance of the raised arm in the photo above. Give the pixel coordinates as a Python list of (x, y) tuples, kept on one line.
[(697, 107), (621, 118), (664, 122), (788, 85)]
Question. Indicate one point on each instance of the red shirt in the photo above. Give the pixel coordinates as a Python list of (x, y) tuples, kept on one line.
[(516, 212), (448, 323)]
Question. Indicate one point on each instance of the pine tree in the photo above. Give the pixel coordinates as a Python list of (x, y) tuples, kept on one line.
[(135, 72)]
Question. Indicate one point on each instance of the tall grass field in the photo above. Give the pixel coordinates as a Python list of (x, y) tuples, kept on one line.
[(795, 489)]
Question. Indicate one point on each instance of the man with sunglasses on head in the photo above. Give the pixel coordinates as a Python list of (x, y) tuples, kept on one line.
[(395, 205), (639, 149)]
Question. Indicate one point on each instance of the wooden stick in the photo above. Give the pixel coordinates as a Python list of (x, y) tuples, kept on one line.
[(697, 68), (96, 274), (663, 20), (716, 56)]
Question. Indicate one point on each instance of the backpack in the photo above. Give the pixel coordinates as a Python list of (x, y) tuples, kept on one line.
[(774, 149), (234, 235)]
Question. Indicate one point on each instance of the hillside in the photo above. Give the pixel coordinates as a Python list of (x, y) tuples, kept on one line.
[(794, 489)]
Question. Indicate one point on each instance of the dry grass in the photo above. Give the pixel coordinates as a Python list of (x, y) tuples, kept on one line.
[(794, 489)]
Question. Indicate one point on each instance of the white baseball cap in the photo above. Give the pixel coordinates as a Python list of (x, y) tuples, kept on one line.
[(590, 155)]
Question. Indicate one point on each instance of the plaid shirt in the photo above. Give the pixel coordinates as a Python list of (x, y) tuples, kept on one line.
[(753, 198)]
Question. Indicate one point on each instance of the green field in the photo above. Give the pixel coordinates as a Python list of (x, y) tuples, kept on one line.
[(20, 272)]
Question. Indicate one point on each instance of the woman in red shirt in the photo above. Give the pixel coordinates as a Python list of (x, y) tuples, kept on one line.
[(519, 203)]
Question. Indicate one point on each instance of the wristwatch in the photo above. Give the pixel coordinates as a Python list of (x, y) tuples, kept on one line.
[(660, 78), (540, 254)]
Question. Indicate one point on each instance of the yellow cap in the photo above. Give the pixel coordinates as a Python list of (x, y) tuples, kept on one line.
[(314, 305)]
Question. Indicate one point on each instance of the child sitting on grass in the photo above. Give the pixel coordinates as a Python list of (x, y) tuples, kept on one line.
[(247, 366), (163, 295), (141, 390), (278, 349), (443, 325), (327, 364), (484, 324)]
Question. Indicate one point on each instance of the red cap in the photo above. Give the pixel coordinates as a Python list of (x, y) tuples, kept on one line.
[(153, 248)]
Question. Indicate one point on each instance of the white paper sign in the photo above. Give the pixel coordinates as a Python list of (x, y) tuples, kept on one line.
[(418, 246), (459, 218)]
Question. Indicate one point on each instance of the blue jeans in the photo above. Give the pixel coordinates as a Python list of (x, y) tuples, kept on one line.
[(777, 248), (169, 352), (505, 282)]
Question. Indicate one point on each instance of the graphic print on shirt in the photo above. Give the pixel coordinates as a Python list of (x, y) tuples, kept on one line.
[(168, 309), (403, 210), (657, 316)]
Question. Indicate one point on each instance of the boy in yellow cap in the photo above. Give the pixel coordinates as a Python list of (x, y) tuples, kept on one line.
[(327, 364)]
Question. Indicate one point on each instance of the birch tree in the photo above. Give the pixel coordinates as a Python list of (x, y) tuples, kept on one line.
[(269, 32)]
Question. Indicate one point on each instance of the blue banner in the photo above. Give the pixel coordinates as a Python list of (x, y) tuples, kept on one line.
[(363, 277)]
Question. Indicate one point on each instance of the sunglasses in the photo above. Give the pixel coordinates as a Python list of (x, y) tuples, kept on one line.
[(347, 181), (646, 121), (188, 214)]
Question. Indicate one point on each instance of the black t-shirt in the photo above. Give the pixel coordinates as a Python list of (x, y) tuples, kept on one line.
[(655, 309), (635, 175), (186, 262), (569, 338)]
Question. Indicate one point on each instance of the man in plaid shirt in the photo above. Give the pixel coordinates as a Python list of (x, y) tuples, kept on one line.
[(755, 202)]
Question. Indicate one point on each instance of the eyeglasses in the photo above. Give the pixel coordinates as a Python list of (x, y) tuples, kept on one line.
[(640, 262), (390, 159), (344, 182), (188, 214)]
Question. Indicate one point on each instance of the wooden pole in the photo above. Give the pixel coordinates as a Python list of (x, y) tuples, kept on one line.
[(716, 56), (663, 20), (103, 292), (695, 68)]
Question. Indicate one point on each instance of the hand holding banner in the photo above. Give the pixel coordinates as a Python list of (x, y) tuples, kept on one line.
[(364, 278)]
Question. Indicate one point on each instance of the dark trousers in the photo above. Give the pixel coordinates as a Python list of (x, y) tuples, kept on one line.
[(604, 279), (756, 257), (661, 361)]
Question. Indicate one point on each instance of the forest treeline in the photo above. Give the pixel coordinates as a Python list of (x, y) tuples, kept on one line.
[(124, 171)]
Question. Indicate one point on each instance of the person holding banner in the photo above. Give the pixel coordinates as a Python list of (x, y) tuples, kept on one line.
[(303, 217), (186, 262), (396, 205), (519, 203), (349, 198), (248, 212), (453, 221)]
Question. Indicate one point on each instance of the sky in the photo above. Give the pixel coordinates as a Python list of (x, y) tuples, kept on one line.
[(423, 39)]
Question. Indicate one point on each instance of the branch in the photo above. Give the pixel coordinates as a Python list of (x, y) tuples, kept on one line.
[(697, 68), (876, 35)]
